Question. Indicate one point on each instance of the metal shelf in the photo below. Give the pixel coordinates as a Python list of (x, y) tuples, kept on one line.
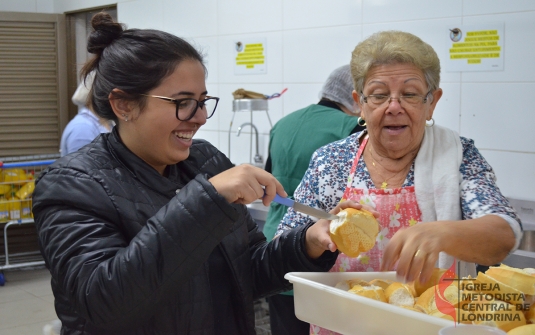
[(247, 105), (250, 105)]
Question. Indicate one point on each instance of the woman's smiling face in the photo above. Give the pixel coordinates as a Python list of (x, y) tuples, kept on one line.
[(154, 133), (397, 127)]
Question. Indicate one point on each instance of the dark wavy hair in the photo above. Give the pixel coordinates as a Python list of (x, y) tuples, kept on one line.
[(134, 61)]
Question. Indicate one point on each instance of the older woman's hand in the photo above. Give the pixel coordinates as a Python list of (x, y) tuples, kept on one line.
[(318, 239), (486, 240), (415, 250)]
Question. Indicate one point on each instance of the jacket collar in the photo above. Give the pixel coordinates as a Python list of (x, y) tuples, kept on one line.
[(142, 171)]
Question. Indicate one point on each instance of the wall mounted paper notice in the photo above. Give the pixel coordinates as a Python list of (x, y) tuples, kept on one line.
[(250, 56), (475, 47)]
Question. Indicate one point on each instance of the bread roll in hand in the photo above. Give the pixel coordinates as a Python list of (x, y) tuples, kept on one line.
[(354, 232)]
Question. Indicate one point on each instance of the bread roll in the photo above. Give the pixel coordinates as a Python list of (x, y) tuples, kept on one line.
[(522, 330), (346, 285), (427, 301), (399, 294), (383, 283), (513, 277), (487, 285), (435, 278), (530, 314), (495, 313), (372, 292), (354, 232)]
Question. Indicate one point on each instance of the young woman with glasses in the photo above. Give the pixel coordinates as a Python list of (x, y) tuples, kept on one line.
[(144, 230)]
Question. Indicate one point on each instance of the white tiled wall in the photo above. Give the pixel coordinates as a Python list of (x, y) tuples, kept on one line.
[(309, 55), (306, 39), (409, 10)]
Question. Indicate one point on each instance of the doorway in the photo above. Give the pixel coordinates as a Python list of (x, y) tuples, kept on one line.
[(78, 30)]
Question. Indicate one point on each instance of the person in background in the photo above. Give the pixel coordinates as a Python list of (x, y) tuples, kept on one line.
[(437, 196), (293, 140), (86, 125), (144, 230)]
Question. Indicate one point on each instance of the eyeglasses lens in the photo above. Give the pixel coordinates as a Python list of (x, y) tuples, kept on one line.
[(379, 100), (210, 106), (187, 108)]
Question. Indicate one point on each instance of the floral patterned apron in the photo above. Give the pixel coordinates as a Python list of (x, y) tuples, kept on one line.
[(398, 209)]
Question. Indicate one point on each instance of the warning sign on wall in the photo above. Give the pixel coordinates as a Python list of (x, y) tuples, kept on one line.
[(250, 56), (475, 48)]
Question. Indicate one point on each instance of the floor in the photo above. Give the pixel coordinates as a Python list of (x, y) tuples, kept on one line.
[(26, 302), (261, 309)]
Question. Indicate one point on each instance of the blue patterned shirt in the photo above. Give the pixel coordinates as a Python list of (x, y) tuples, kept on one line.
[(325, 180)]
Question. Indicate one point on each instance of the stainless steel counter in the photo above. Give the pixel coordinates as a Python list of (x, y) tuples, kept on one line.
[(521, 259), (524, 257), (258, 211)]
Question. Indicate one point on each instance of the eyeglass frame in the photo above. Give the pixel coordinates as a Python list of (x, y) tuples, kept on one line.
[(390, 98), (200, 104)]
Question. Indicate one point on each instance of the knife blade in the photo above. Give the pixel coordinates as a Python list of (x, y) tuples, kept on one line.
[(318, 213)]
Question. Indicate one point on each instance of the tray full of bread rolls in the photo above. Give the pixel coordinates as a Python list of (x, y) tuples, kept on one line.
[(375, 303)]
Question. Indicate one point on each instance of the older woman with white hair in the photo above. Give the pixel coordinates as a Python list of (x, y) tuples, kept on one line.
[(437, 196)]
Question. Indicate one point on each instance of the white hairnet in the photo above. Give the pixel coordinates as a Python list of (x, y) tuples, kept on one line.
[(339, 87), (81, 94)]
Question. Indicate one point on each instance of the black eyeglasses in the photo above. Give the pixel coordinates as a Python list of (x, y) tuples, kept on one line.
[(187, 107)]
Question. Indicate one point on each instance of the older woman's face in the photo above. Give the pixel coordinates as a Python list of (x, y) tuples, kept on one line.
[(396, 127)]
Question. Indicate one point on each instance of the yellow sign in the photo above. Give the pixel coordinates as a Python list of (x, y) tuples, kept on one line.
[(475, 55), (475, 48), (250, 57)]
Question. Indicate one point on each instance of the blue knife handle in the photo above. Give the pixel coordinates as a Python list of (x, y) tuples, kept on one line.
[(283, 201)]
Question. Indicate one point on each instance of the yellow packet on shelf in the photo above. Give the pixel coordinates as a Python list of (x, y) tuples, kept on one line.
[(14, 207), (5, 188), (15, 176), (26, 190)]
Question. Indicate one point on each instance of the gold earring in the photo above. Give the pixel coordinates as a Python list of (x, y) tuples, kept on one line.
[(430, 124)]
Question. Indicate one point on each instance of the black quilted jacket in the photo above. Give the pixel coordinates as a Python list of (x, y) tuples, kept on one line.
[(128, 252)]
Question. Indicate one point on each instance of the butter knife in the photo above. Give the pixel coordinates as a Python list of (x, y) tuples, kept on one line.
[(318, 213)]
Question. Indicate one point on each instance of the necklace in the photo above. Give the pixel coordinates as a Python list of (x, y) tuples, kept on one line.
[(384, 184)]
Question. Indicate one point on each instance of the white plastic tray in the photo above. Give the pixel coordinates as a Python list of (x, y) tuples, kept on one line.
[(319, 303)]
